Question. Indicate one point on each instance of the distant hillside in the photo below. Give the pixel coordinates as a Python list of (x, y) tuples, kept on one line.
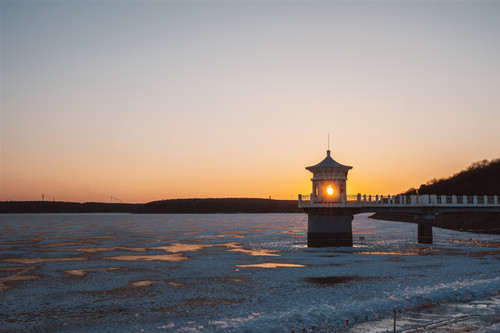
[(174, 206), (11, 207), (225, 205), (481, 178)]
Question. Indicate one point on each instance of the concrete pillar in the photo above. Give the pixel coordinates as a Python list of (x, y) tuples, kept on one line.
[(425, 232), (329, 229), (425, 229)]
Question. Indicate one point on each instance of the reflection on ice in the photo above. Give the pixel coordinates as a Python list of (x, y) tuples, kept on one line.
[(151, 257), (19, 274), (177, 247), (29, 261), (176, 284), (270, 265), (82, 272), (143, 283)]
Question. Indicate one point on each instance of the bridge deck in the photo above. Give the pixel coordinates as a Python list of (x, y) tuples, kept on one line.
[(422, 204)]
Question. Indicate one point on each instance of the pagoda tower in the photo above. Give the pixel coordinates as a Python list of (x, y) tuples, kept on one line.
[(329, 222), (329, 181)]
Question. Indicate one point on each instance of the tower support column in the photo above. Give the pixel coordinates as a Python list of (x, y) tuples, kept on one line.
[(328, 228)]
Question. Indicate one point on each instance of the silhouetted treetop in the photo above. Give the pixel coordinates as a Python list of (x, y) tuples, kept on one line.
[(480, 178)]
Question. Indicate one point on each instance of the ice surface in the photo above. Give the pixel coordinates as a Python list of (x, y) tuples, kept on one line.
[(239, 273)]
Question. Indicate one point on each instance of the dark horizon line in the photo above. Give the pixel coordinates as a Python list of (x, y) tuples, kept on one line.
[(143, 203)]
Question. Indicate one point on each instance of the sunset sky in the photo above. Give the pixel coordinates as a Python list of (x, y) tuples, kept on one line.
[(150, 100)]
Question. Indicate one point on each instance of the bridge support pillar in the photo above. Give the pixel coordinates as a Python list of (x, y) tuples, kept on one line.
[(425, 229), (328, 229)]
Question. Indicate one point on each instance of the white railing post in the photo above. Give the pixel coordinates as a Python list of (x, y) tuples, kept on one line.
[(474, 200), (413, 199), (464, 199), (485, 200), (370, 198), (495, 199), (423, 199), (359, 198), (376, 199), (453, 200), (300, 198), (364, 198), (433, 199)]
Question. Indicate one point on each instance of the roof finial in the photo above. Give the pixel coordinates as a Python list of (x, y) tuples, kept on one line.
[(328, 151)]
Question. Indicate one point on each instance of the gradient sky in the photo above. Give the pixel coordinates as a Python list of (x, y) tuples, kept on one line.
[(149, 100)]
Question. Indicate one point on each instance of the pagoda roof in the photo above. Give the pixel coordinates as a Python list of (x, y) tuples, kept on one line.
[(328, 164)]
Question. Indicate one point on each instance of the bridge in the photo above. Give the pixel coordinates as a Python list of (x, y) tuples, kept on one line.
[(330, 211), (423, 207)]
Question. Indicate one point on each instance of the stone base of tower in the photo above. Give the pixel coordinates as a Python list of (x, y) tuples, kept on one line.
[(329, 229)]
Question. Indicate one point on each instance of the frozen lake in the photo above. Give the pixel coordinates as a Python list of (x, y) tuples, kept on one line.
[(237, 273)]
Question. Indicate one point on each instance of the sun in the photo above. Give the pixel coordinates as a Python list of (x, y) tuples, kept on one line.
[(329, 190)]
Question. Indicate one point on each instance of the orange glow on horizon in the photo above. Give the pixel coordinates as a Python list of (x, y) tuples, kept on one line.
[(281, 179)]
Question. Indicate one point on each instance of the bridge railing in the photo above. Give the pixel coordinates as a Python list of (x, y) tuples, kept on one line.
[(411, 200), (304, 198), (429, 199)]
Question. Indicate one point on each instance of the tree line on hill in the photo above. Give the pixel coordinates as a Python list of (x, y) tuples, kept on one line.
[(174, 206), (480, 178), (220, 205), (34, 207)]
